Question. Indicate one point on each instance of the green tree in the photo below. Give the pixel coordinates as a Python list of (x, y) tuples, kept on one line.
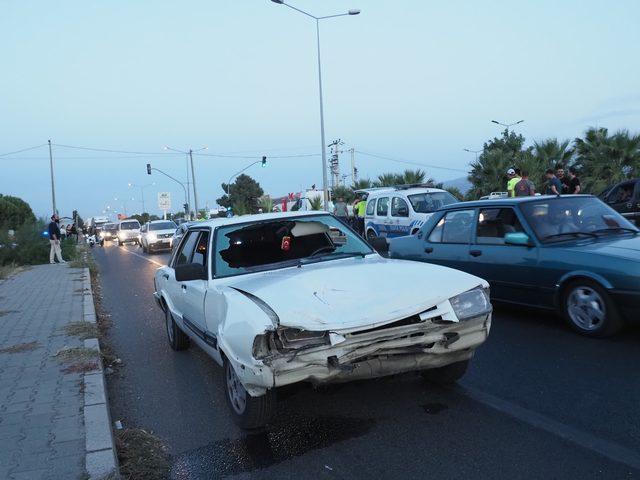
[(243, 194), (266, 204), (388, 180), (489, 173), (552, 152), (342, 191), (410, 177), (14, 212), (362, 184), (604, 159), (315, 203)]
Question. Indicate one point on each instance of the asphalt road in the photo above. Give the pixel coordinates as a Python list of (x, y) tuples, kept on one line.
[(538, 402)]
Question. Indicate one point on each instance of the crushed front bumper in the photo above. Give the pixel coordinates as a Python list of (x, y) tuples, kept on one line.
[(369, 355)]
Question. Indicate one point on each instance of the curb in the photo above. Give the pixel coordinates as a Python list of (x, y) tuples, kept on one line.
[(100, 451)]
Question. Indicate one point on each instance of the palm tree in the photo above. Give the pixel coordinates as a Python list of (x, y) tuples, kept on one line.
[(362, 184), (266, 204), (417, 176), (344, 192), (315, 203), (388, 180), (551, 152)]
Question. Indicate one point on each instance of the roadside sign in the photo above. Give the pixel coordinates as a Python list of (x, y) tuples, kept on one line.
[(164, 201)]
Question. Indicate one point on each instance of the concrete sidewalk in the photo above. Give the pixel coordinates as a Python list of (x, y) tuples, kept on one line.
[(43, 419)]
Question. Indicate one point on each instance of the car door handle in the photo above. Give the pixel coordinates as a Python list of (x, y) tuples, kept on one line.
[(184, 288), (165, 276), (428, 250), (475, 253)]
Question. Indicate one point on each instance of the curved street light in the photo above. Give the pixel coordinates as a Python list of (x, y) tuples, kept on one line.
[(353, 11), (507, 125)]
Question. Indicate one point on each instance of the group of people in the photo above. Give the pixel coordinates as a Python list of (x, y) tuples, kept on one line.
[(341, 210), (558, 183)]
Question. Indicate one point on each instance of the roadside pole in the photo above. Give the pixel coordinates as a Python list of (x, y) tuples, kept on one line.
[(53, 187), (193, 179)]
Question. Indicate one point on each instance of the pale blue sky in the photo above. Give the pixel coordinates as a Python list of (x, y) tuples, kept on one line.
[(412, 79)]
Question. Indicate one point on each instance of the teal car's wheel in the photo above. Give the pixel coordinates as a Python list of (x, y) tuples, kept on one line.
[(589, 309)]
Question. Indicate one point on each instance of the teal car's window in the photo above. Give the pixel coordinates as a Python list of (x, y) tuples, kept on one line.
[(430, 202), (564, 218), (494, 223), (282, 243), (371, 207), (399, 208), (454, 227), (383, 207)]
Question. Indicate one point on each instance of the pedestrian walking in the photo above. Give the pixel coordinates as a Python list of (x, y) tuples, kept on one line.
[(513, 174), (341, 210), (574, 181), (554, 186), (525, 187), (54, 240)]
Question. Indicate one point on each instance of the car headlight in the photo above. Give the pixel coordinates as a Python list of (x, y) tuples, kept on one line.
[(473, 303), (151, 237), (285, 340), (102, 234)]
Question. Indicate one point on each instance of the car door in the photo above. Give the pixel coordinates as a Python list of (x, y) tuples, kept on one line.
[(195, 291), (382, 220), (621, 198), (173, 287), (509, 269), (447, 243), (399, 220)]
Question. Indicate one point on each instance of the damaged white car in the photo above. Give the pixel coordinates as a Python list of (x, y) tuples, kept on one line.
[(299, 297)]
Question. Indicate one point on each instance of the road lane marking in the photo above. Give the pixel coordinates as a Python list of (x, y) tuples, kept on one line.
[(611, 450), (124, 249)]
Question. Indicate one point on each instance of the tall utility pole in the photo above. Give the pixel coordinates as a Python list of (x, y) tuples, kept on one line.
[(188, 183), (334, 163), (354, 170), (325, 191), (53, 185), (193, 179)]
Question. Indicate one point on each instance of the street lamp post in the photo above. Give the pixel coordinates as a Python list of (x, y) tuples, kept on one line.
[(322, 138), (473, 151), (507, 125), (142, 187), (150, 168), (193, 173)]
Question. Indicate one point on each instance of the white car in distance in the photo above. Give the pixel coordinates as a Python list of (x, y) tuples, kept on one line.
[(128, 232), (157, 235), (292, 297)]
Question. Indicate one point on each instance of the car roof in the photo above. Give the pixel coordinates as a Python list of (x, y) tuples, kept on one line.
[(510, 201), (128, 220), (258, 217), (407, 191), (160, 221)]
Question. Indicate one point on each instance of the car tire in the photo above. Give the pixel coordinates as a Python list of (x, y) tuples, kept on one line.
[(144, 249), (177, 338), (371, 235), (448, 374), (248, 412), (589, 310)]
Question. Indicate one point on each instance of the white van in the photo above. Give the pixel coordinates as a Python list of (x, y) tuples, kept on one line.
[(128, 231), (398, 211)]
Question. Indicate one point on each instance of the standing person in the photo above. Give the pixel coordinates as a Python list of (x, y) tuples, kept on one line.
[(564, 180), (340, 210), (54, 240), (525, 187), (359, 209), (554, 186), (514, 177), (574, 181)]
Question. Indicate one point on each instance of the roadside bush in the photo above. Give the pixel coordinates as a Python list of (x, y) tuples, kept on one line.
[(28, 247)]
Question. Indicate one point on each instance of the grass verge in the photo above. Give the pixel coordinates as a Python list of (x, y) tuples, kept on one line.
[(82, 330), (142, 456)]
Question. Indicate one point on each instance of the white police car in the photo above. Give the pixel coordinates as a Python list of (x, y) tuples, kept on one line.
[(398, 211)]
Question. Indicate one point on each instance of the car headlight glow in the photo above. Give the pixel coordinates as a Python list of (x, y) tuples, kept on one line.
[(473, 303), (151, 237)]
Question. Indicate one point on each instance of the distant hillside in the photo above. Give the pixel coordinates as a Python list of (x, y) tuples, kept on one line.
[(461, 184)]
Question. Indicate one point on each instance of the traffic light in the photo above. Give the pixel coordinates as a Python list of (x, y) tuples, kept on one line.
[(186, 207), (264, 161), (148, 169)]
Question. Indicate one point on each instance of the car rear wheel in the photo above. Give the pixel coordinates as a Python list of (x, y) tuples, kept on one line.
[(371, 235), (448, 374), (177, 338), (248, 412), (589, 309)]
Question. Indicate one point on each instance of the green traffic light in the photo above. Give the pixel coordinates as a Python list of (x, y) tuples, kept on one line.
[(264, 161)]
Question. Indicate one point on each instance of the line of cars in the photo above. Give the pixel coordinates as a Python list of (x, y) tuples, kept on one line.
[(153, 236), (283, 298)]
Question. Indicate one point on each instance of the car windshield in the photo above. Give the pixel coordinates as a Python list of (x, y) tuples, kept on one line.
[(566, 218), (162, 226), (129, 226), (110, 226), (280, 243), (430, 202)]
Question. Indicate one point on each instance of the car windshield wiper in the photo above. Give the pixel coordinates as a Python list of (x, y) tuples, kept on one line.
[(331, 256), (573, 234), (615, 229)]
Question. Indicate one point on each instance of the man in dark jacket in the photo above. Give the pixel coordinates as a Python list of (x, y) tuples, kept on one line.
[(54, 240)]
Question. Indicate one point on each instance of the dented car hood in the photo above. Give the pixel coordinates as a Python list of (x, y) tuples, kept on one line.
[(353, 293)]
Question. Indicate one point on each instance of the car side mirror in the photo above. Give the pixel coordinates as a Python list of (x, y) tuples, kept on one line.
[(380, 245), (190, 271), (518, 238)]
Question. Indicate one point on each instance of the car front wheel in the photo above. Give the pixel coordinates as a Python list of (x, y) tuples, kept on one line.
[(446, 375), (589, 309), (248, 412), (177, 338)]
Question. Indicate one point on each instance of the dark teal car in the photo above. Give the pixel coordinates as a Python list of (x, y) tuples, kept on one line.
[(573, 254)]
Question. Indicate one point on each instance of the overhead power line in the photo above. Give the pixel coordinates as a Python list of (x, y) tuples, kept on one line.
[(23, 150), (409, 162)]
